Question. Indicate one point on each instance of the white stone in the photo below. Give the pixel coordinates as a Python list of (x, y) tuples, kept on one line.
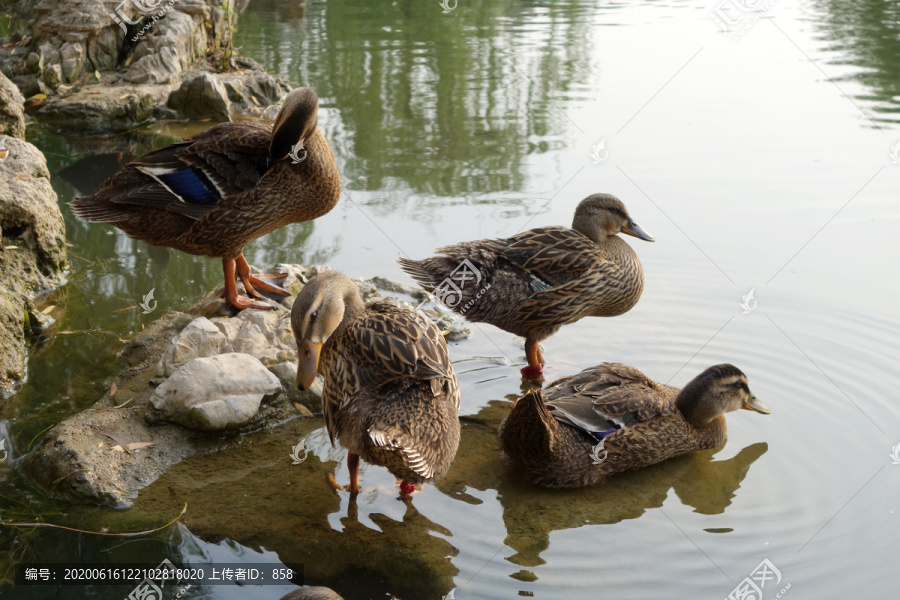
[(201, 338), (216, 393)]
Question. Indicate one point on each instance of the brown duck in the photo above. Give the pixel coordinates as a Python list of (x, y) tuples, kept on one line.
[(390, 394), (213, 193), (612, 418), (537, 281)]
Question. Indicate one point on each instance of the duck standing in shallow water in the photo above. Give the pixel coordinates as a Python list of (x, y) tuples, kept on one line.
[(544, 278), (390, 394), (213, 193), (612, 418)]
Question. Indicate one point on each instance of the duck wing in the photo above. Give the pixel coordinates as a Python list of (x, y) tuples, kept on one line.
[(190, 177), (566, 271), (385, 345), (554, 255), (607, 397)]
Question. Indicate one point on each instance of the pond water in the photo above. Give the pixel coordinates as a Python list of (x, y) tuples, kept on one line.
[(759, 158)]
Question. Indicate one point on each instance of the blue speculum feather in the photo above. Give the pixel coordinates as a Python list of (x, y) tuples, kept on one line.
[(599, 435), (191, 186)]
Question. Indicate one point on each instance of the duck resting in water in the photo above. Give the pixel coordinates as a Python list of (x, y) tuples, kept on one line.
[(213, 193), (612, 418)]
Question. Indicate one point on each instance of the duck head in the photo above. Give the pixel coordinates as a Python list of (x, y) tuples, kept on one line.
[(602, 215), (714, 392), (297, 120), (328, 300)]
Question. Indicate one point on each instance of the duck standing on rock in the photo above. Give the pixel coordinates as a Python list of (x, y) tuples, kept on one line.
[(390, 393), (539, 280), (612, 418), (213, 193)]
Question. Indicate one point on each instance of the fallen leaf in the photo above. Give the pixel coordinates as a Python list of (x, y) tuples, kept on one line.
[(132, 446), (113, 389), (124, 309), (49, 309), (302, 409), (10, 247), (122, 443), (23, 176)]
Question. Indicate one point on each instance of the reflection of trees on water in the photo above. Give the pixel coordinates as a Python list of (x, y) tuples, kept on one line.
[(531, 513), (866, 34), (445, 105)]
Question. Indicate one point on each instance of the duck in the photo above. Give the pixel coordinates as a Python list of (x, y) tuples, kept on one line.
[(613, 418), (313, 593), (213, 193), (390, 394), (535, 282)]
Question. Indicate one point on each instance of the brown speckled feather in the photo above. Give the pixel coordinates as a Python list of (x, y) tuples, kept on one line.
[(254, 193), (550, 434), (538, 280), (390, 392)]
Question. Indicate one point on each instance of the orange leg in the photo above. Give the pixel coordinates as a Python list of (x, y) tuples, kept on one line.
[(353, 465), (534, 370), (231, 295), (258, 280)]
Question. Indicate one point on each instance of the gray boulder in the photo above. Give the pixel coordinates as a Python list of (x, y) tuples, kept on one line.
[(32, 249), (12, 115), (217, 393), (200, 339)]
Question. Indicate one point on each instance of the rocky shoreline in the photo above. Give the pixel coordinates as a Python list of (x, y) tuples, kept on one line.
[(106, 67), (32, 248), (191, 383)]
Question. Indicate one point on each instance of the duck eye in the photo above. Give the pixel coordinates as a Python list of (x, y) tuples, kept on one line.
[(312, 316)]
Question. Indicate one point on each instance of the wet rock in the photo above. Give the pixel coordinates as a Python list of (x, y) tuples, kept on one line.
[(33, 62), (106, 109), (176, 42), (218, 393), (53, 76), (220, 96), (202, 96), (201, 338), (12, 115), (32, 250), (229, 391)]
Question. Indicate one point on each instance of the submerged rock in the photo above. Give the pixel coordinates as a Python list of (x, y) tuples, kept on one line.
[(218, 393)]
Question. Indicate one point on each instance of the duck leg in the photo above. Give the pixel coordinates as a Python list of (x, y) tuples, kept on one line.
[(254, 280), (353, 465), (534, 370), (231, 294)]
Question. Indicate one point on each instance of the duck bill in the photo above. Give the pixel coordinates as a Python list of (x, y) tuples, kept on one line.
[(307, 364), (756, 405), (632, 228)]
